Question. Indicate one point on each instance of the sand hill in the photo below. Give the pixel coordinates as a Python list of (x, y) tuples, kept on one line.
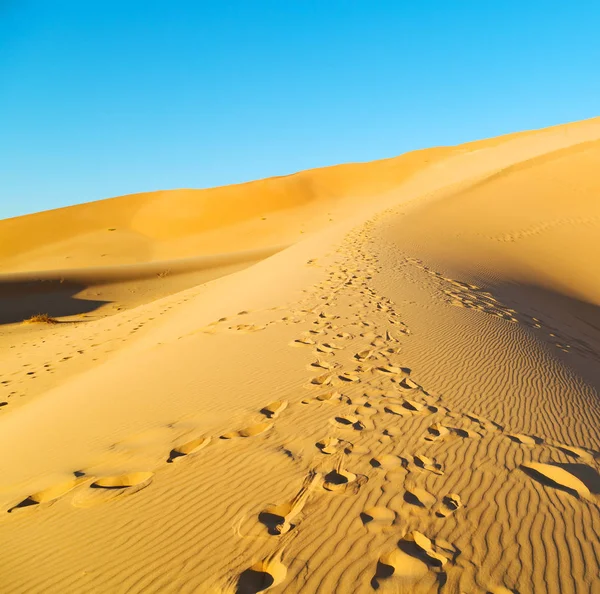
[(371, 377)]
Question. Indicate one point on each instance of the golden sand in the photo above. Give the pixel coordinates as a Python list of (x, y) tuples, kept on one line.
[(371, 377)]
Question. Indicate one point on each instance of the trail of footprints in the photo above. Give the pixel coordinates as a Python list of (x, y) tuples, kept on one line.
[(92, 490), (358, 375), (469, 296), (373, 384)]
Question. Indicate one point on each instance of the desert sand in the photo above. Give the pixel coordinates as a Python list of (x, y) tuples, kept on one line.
[(370, 377)]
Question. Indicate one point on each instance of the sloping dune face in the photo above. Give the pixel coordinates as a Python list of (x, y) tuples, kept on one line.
[(174, 224), (97, 258), (537, 221), (405, 399)]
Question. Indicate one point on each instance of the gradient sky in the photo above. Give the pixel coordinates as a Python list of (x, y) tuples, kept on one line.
[(100, 98)]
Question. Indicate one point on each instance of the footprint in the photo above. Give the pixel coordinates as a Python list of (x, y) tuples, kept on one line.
[(364, 355), (344, 335), (450, 503), (349, 377), (402, 326), (527, 440), (436, 431), (248, 328), (340, 480), (333, 445), (316, 331), (578, 479), (378, 519), (408, 569), (413, 405), (427, 464), (431, 554), (391, 432), (465, 433), (357, 450), (248, 431), (419, 497), (274, 409), (396, 409), (279, 519), (348, 422), (393, 370), (123, 481), (262, 576), (391, 338), (484, 423), (51, 493), (409, 384), (188, 448), (321, 380), (337, 480), (575, 452), (360, 400), (323, 364), (331, 397), (363, 369), (327, 347), (413, 560), (386, 462), (107, 488), (439, 431), (305, 341), (366, 409)]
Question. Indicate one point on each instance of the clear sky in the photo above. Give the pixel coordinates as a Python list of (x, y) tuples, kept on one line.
[(100, 98)]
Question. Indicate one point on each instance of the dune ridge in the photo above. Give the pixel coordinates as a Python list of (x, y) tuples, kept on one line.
[(404, 399)]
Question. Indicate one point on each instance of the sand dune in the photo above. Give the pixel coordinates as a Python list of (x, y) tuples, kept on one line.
[(173, 224), (401, 399)]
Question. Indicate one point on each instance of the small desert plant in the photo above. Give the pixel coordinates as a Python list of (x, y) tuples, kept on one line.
[(41, 319), (163, 274)]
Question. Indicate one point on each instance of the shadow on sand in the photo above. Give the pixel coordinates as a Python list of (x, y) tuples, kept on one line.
[(21, 299)]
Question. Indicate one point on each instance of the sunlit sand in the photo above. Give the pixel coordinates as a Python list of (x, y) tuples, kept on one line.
[(370, 377)]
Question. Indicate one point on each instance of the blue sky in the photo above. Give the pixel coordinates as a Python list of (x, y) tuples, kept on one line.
[(100, 98)]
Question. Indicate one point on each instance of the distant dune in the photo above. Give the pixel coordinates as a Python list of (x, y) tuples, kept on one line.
[(369, 377), (172, 224)]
